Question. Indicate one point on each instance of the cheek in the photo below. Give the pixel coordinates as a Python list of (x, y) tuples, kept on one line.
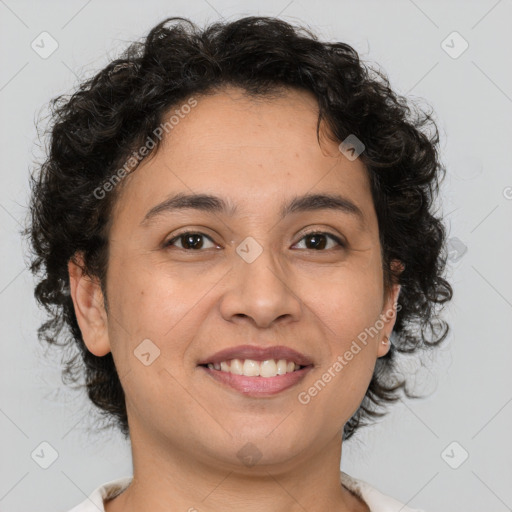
[(156, 302), (346, 301), (347, 307), (148, 329)]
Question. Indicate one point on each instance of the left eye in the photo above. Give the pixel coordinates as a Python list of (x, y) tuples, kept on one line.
[(318, 240), (192, 241)]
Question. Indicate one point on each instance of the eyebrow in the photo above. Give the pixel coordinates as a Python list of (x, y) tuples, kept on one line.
[(214, 204)]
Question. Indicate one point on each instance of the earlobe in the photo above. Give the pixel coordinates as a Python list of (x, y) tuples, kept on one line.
[(388, 317), (89, 307)]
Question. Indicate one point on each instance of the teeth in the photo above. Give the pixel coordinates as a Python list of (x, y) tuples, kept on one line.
[(236, 367), (251, 368), (269, 368), (281, 367)]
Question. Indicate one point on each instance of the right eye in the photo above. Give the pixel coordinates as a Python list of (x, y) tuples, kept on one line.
[(189, 240)]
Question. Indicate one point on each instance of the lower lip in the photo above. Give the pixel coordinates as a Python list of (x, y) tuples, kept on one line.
[(258, 386)]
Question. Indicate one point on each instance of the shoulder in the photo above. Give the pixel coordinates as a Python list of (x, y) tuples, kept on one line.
[(109, 490), (376, 501)]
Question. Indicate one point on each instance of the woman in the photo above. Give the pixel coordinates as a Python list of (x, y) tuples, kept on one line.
[(234, 223)]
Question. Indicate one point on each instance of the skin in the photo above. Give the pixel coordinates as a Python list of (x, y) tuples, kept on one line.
[(185, 427)]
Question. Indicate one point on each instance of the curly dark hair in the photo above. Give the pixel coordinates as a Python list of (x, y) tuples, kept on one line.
[(94, 130)]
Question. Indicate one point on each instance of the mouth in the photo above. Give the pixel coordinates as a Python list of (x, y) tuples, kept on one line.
[(256, 371), (251, 368)]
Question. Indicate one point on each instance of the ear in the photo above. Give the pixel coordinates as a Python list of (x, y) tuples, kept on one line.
[(389, 311), (89, 306)]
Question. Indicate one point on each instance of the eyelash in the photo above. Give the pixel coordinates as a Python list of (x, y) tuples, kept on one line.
[(179, 235)]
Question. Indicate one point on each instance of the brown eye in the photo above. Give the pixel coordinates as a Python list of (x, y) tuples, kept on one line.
[(317, 241), (189, 241)]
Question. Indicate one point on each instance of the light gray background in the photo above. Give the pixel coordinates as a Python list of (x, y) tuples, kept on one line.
[(469, 381)]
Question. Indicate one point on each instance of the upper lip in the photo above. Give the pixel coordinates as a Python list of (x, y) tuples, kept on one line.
[(258, 353)]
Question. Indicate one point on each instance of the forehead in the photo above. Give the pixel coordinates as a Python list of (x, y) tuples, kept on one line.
[(252, 151), (233, 120)]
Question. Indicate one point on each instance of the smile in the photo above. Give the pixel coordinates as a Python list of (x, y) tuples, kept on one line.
[(253, 368), (257, 386)]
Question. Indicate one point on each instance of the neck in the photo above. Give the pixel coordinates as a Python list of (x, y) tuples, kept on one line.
[(167, 478)]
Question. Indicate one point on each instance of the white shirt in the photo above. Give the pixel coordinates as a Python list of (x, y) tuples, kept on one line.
[(376, 501)]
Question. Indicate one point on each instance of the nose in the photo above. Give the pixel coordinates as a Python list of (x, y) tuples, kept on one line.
[(260, 289)]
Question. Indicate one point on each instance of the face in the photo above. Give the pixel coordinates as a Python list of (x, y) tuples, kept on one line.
[(244, 278)]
